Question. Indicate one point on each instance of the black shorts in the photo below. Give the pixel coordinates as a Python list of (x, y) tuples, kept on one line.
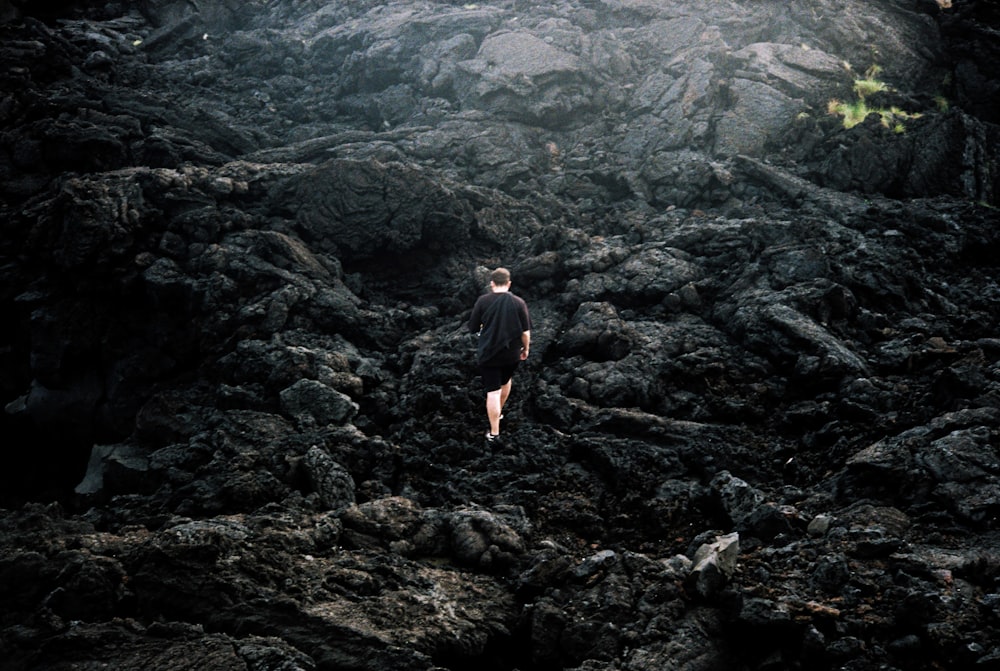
[(495, 377)]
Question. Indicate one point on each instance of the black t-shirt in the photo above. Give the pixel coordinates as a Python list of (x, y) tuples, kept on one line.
[(500, 318)]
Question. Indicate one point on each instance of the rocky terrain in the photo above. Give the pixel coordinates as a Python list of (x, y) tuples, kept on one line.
[(759, 426)]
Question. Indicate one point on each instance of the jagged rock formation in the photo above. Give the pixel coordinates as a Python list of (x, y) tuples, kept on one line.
[(759, 426)]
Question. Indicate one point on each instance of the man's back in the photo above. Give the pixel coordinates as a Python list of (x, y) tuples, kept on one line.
[(500, 318)]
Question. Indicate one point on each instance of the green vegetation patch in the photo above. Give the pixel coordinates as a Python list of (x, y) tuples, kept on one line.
[(856, 111)]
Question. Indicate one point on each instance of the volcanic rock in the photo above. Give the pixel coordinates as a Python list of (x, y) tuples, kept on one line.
[(242, 423)]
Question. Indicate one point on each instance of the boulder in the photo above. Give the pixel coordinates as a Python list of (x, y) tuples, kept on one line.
[(315, 399)]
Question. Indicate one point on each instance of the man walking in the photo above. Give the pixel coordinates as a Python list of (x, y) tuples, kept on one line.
[(504, 326)]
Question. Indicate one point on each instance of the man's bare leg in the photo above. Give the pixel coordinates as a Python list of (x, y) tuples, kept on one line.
[(494, 404), (504, 394)]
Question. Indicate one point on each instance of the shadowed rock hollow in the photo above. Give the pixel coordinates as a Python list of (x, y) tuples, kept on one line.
[(242, 429)]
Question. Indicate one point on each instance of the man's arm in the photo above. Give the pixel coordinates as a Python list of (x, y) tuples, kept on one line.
[(525, 344), (476, 318)]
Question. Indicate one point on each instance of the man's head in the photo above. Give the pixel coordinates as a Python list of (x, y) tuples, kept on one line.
[(500, 278)]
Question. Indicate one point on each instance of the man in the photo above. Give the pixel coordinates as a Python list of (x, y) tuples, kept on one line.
[(504, 328)]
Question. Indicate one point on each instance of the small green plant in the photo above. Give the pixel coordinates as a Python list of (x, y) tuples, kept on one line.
[(858, 110), (853, 112), (869, 85)]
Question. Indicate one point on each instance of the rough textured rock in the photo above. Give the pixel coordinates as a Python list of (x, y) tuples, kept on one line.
[(242, 429)]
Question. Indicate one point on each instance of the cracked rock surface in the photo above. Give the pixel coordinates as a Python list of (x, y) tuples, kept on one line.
[(759, 426)]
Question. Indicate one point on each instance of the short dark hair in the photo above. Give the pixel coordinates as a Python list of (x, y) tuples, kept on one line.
[(500, 277)]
